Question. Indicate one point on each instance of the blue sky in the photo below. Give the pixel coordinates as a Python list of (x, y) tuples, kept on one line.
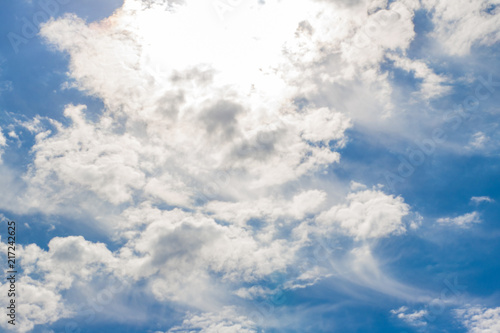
[(249, 166)]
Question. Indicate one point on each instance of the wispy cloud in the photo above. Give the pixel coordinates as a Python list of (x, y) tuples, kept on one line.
[(415, 318), (478, 200), (463, 221)]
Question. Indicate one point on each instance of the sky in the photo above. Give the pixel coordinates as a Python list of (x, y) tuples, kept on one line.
[(251, 165)]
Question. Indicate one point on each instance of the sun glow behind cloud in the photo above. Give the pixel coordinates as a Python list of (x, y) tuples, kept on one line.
[(244, 47)]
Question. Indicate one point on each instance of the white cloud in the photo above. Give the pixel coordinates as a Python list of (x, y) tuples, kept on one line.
[(36, 302), (67, 259), (227, 320), (3, 140), (71, 263), (253, 292), (228, 250), (308, 277), (478, 200), (367, 214), (227, 110), (463, 221), (463, 24), (433, 85), (480, 320), (186, 125), (269, 209), (81, 157), (415, 318), (355, 186), (13, 134), (478, 141), (341, 54), (3, 143), (36, 305)]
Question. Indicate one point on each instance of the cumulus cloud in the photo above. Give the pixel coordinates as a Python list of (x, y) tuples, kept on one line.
[(192, 245), (462, 24), (67, 259), (269, 209), (480, 320), (225, 321), (205, 127), (187, 124), (415, 318), (37, 304), (463, 221), (76, 160), (367, 214)]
